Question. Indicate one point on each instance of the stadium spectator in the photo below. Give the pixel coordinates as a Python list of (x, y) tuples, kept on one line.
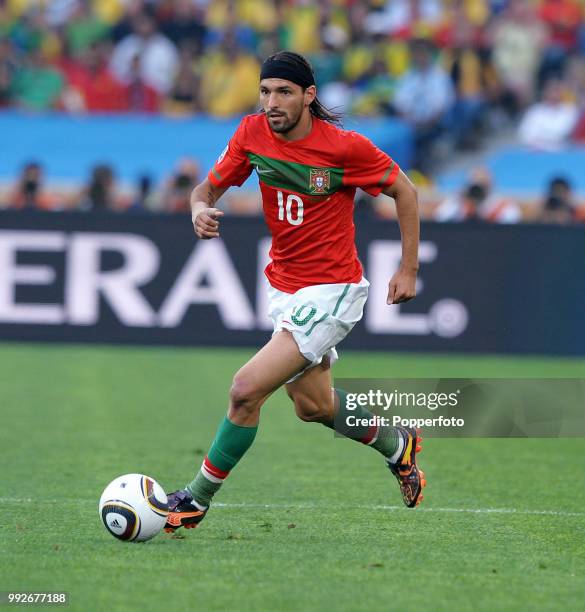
[(140, 97), (558, 206), (563, 19), (100, 194), (478, 202), (547, 125), (576, 80), (186, 26), (338, 96), (183, 98), (83, 28), (29, 192), (7, 70), (37, 85), (176, 193), (424, 96), (145, 196), (111, 11), (462, 206), (158, 56), (123, 24), (517, 37), (301, 23), (372, 95), (328, 61), (229, 79), (224, 15), (28, 29), (57, 12), (91, 87), (358, 59), (472, 79), (405, 18)]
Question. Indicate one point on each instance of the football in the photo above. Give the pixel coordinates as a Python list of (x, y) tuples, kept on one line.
[(133, 507)]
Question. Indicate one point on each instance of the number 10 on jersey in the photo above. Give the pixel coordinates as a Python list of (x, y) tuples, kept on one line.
[(291, 198)]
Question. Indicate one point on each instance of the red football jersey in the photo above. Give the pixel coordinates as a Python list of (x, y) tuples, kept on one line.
[(308, 187)]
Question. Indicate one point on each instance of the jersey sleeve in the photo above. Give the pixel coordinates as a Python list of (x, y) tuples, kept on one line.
[(367, 167), (232, 167)]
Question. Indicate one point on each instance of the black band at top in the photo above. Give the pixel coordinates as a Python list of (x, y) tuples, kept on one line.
[(277, 69)]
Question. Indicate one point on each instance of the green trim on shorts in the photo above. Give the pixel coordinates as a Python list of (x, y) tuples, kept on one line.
[(341, 299), (317, 323)]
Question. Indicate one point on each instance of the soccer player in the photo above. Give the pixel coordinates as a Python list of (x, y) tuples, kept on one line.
[(309, 170)]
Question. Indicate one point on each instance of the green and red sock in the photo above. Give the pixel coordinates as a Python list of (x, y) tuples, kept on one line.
[(229, 446), (385, 439)]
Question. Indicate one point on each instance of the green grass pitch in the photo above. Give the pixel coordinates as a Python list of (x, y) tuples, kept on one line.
[(305, 522)]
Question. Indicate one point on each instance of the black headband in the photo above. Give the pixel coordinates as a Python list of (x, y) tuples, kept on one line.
[(279, 69)]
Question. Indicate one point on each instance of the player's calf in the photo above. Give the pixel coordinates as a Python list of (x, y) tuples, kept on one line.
[(309, 410), (245, 401)]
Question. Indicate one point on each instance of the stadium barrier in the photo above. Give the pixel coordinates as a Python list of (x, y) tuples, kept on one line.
[(83, 277)]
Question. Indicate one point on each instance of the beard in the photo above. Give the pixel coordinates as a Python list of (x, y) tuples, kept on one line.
[(283, 123)]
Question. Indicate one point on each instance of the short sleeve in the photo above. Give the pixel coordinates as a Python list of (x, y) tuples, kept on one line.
[(367, 167), (232, 167)]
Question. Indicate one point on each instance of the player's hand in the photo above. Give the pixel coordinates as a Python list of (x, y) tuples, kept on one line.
[(402, 287), (206, 223)]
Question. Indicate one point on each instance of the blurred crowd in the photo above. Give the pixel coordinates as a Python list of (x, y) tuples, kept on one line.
[(103, 193), (477, 202), (455, 70)]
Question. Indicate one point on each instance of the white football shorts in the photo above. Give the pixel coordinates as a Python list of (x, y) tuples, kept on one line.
[(318, 316)]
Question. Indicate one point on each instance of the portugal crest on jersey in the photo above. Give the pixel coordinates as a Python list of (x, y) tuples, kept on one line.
[(319, 181)]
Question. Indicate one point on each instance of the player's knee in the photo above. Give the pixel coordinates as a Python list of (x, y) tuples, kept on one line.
[(244, 395), (308, 409)]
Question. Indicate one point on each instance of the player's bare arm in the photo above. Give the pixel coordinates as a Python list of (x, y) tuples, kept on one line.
[(204, 216), (402, 286)]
